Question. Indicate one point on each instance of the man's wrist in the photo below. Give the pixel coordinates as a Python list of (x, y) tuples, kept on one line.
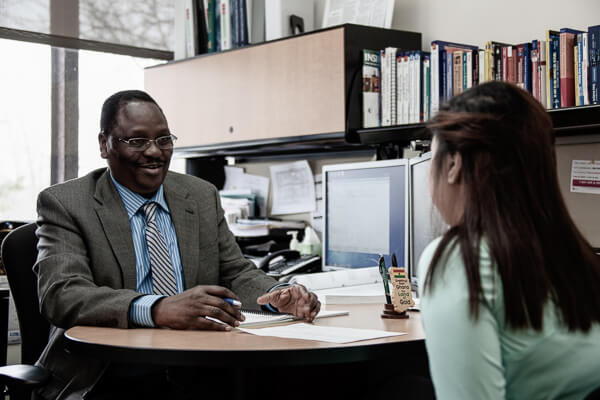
[(141, 310)]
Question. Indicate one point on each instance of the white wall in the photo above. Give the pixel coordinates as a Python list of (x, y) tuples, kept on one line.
[(477, 21)]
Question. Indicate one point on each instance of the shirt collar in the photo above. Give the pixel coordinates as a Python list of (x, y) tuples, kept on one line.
[(133, 201)]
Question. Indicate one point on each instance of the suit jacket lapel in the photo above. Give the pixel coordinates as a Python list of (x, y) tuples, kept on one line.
[(184, 214), (115, 222)]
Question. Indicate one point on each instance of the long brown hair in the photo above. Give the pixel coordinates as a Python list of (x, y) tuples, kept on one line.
[(513, 202)]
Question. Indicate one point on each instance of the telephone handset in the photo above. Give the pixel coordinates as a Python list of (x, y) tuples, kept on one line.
[(284, 262)]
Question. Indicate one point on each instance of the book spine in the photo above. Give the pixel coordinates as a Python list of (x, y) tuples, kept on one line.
[(482, 59), (498, 73), (467, 71), (434, 88), (234, 17), (585, 69), (443, 76), (370, 88), (476, 68), (426, 87), (393, 85), (408, 76), (535, 83), (190, 29), (209, 16), (593, 38), (244, 31), (449, 75), (407, 89), (225, 21), (577, 72), (217, 13), (543, 72), (527, 67), (505, 63), (457, 73), (566, 77), (400, 84), (385, 116), (554, 67), (511, 63), (415, 84), (520, 79), (579, 69)]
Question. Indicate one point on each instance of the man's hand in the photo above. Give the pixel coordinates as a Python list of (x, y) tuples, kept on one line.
[(295, 299), (188, 310)]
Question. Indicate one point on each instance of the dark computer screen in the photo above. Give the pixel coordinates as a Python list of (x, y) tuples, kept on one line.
[(365, 214), (425, 221)]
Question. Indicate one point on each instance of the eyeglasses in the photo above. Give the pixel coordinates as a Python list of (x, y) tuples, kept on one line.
[(141, 144)]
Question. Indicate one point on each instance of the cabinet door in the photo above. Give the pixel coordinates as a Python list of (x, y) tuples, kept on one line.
[(286, 88)]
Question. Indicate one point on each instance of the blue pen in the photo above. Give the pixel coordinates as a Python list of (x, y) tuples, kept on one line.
[(233, 302)]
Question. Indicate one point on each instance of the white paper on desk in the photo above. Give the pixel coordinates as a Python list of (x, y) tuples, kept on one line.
[(236, 179), (321, 333), (363, 12), (293, 188)]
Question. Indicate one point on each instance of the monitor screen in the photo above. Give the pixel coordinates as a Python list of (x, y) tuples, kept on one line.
[(365, 214), (425, 221)]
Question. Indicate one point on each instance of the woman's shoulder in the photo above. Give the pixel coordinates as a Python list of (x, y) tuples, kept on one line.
[(452, 271)]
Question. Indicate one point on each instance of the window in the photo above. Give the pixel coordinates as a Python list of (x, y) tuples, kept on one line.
[(24, 127)]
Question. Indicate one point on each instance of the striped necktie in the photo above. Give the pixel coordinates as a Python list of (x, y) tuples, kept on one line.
[(163, 278)]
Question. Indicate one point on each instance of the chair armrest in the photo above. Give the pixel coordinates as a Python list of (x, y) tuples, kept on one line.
[(23, 375)]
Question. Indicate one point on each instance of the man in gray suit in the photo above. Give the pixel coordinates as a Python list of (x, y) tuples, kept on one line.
[(135, 245)]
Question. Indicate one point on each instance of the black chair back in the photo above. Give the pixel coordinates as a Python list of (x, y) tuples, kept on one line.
[(19, 253)]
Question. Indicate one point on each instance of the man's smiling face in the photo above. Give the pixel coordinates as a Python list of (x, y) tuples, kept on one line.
[(140, 171)]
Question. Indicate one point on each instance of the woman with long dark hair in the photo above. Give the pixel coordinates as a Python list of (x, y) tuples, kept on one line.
[(511, 292)]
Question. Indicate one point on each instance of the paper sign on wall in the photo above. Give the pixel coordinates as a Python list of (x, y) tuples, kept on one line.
[(585, 176)]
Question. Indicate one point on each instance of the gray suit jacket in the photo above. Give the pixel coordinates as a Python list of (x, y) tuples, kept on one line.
[(86, 263)]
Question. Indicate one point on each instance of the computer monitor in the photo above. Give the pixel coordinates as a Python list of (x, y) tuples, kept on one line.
[(425, 222), (365, 214)]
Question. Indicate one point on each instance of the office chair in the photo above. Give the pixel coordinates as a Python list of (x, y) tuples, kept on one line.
[(19, 253)]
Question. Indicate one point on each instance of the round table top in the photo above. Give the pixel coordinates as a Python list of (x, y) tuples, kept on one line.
[(237, 348)]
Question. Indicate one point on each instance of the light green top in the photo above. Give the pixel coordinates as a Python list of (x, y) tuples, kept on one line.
[(484, 359)]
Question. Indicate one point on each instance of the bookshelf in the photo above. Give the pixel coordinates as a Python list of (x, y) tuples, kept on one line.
[(570, 121), (297, 94)]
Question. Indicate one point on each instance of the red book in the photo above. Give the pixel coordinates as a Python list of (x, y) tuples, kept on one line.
[(520, 67), (511, 53), (567, 62)]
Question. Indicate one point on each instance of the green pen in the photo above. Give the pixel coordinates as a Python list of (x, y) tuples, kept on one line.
[(384, 276)]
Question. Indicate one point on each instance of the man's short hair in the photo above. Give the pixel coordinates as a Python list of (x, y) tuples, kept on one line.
[(112, 105)]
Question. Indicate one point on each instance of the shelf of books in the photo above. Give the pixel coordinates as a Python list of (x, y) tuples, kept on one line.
[(402, 90)]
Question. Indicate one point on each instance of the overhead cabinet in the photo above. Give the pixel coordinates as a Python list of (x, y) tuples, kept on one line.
[(289, 90)]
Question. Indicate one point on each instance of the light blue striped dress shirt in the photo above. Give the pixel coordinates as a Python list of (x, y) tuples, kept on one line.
[(140, 310)]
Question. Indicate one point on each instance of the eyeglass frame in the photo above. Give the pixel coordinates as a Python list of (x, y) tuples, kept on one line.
[(148, 141)]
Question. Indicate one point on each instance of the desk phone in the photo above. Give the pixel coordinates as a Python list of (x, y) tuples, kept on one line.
[(285, 262)]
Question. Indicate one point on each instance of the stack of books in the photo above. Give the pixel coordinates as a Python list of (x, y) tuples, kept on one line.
[(216, 25), (408, 87)]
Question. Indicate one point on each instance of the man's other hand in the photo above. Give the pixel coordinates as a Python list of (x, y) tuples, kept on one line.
[(295, 299)]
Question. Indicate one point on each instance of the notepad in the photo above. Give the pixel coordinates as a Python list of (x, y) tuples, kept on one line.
[(255, 318)]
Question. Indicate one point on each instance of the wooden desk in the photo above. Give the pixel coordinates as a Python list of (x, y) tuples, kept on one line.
[(239, 349), (260, 367)]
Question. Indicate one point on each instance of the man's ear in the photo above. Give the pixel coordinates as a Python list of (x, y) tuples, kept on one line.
[(454, 168), (102, 141)]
